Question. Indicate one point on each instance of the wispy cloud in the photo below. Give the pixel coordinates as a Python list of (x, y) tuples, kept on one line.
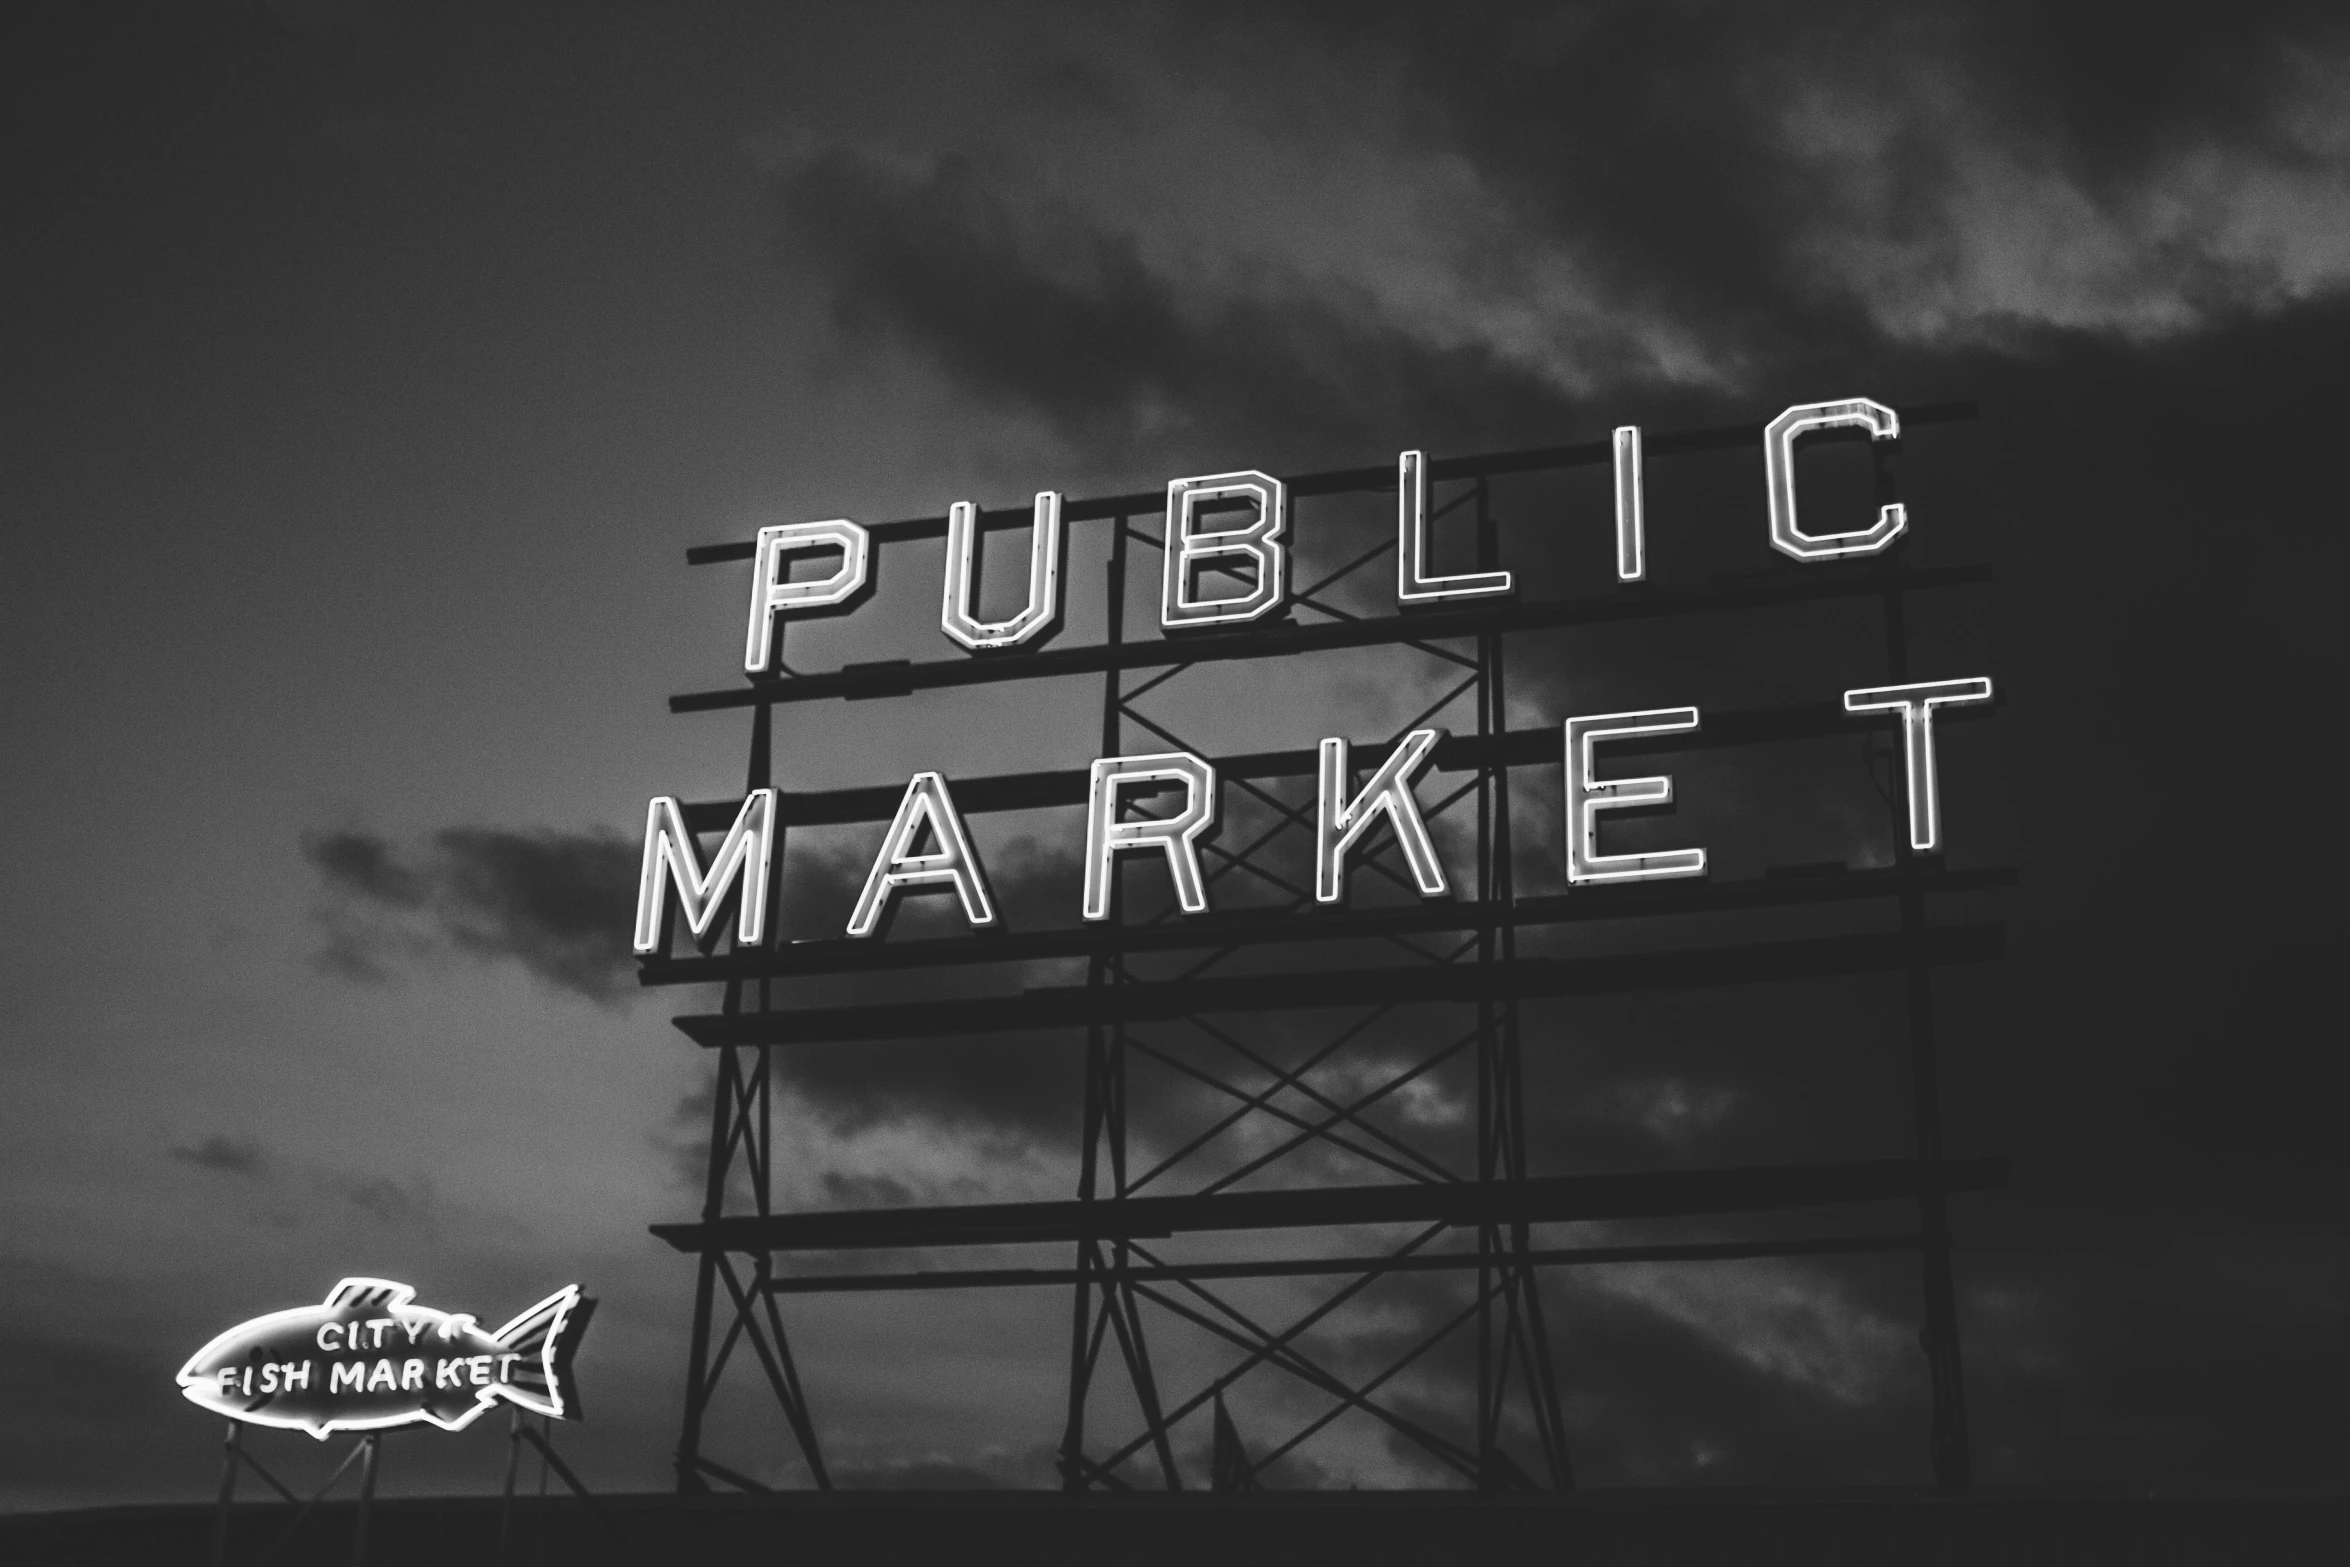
[(558, 904), (1474, 225), (226, 1154)]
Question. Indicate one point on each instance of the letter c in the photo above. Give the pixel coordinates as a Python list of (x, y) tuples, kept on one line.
[(1787, 536), (327, 1343)]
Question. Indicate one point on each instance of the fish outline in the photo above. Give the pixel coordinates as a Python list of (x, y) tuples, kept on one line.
[(546, 1334)]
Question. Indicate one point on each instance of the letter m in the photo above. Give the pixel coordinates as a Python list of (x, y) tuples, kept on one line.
[(356, 1380), (671, 859)]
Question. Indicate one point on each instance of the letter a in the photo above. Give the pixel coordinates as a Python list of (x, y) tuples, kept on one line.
[(951, 864), (1341, 821)]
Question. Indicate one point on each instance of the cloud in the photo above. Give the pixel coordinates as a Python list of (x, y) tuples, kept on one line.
[(1781, 1318), (1671, 1109), (556, 903), (243, 1156), (401, 1203), (394, 1204), (362, 865), (1015, 295), (1319, 231), (1765, 175)]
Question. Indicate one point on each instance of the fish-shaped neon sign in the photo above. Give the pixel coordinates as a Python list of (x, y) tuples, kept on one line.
[(367, 1359)]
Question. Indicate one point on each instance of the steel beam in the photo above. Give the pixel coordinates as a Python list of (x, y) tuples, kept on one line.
[(1548, 1199), (1075, 1006), (1321, 1267), (1798, 887), (903, 677), (1114, 1273), (1342, 481)]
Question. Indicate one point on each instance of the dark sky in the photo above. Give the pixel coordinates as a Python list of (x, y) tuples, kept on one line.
[(369, 368)]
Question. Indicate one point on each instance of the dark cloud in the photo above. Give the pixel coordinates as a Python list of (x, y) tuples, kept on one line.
[(226, 1154), (1678, 205), (2118, 1353), (1017, 296), (361, 866), (842, 1190), (396, 1203), (558, 904), (410, 1204), (1732, 169)]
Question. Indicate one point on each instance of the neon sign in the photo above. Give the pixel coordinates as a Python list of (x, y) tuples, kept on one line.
[(367, 1358), (1255, 550)]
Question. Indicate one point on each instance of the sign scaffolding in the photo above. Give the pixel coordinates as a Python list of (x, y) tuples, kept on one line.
[(1440, 984)]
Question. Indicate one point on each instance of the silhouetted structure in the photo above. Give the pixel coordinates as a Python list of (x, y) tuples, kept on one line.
[(1448, 977)]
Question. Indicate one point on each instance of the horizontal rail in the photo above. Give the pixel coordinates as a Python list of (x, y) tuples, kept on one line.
[(902, 677), (1312, 1267), (1543, 747), (1344, 481), (1548, 1199), (1260, 927), (1073, 1006)]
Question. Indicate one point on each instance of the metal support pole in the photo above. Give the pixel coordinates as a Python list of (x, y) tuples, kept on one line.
[(697, 1382), (1948, 1441), (1105, 970), (1526, 1297), (513, 1466), (741, 1110), (1512, 1341), (231, 1448), (1488, 1037), (369, 1446)]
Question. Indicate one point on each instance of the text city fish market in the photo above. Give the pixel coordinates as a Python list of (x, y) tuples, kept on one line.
[(1344, 812)]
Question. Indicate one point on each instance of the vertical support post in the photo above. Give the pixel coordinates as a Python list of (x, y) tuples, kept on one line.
[(742, 1114), (758, 1128), (1489, 1400), (1512, 1340), (369, 1446), (1948, 1441), (231, 1451), (697, 1385), (723, 1102), (1525, 1296), (1105, 1133), (1118, 1291), (1104, 969), (513, 1467)]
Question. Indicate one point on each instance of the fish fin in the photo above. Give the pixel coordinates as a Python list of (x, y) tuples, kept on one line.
[(370, 1292), (545, 1338)]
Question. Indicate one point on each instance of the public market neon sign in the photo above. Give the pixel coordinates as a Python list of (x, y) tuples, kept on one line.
[(672, 866)]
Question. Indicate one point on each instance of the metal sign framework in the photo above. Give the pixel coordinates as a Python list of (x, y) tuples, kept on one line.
[(1152, 980)]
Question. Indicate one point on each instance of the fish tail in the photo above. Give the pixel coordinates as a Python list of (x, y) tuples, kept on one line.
[(543, 1340)]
